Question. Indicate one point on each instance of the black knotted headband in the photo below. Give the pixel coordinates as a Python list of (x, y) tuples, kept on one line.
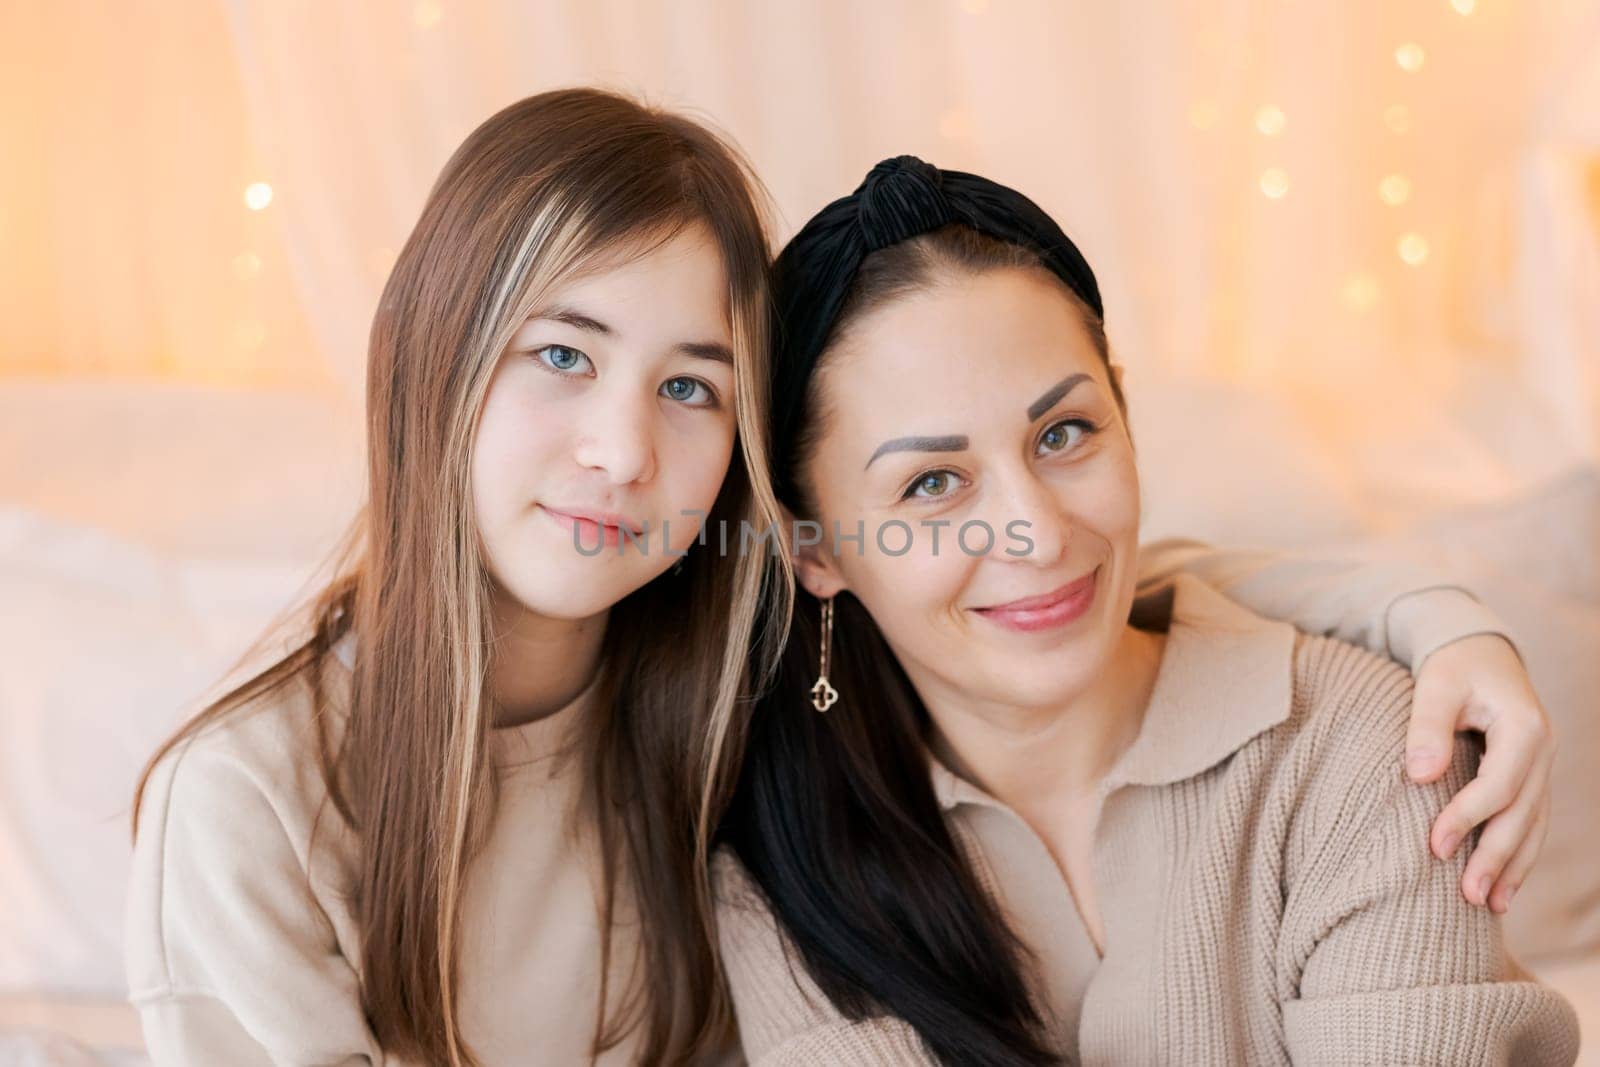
[(899, 199)]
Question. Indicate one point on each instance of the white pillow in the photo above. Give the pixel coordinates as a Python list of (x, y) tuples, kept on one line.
[(105, 647)]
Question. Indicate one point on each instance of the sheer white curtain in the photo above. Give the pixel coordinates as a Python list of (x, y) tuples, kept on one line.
[(1225, 165)]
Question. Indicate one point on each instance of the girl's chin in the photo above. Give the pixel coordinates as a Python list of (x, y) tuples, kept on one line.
[(580, 599)]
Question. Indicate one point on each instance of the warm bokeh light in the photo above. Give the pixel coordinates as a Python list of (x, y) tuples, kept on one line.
[(1274, 183), (1270, 120), (1413, 249), (1397, 117), (956, 124), (250, 336), (1410, 56), (257, 195), (1394, 190), (426, 14), (1464, 7), (1360, 292)]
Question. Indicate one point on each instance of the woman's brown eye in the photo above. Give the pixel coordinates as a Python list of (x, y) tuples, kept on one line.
[(936, 483), (1061, 435)]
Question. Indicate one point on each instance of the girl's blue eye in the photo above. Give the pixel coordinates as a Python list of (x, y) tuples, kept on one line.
[(690, 391), (1061, 437), (932, 484), (562, 358)]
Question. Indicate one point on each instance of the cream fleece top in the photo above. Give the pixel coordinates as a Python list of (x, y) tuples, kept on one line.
[(242, 944), (1261, 866), (236, 956)]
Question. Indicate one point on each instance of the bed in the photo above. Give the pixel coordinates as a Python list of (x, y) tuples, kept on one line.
[(148, 531)]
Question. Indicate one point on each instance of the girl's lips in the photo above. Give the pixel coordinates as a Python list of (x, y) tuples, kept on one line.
[(591, 530), (1045, 612)]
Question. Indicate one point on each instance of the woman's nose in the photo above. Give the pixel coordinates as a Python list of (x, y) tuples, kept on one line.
[(1030, 522)]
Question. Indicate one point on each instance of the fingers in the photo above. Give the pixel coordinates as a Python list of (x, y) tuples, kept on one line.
[(1516, 871), (1502, 838), (1515, 762), (1430, 736)]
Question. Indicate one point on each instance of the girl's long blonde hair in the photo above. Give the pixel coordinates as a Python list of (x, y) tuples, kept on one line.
[(542, 189)]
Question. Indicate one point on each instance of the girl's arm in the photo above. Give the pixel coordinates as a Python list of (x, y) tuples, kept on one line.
[(230, 958), (1468, 677)]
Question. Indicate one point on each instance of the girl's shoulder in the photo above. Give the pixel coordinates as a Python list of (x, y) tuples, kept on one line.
[(265, 753), (275, 738)]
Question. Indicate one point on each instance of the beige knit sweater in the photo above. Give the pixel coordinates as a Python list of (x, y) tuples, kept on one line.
[(243, 946), (1263, 874)]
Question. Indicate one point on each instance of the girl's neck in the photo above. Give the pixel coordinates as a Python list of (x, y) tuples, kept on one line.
[(1033, 758), (539, 665)]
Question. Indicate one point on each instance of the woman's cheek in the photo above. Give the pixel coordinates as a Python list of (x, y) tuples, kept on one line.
[(914, 584), (1108, 501)]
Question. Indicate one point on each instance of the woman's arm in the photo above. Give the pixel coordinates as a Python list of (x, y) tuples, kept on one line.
[(1468, 676), (784, 1019), (230, 958), (1394, 967)]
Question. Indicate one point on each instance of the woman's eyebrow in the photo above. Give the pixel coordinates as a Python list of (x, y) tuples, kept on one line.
[(1051, 396), (949, 443)]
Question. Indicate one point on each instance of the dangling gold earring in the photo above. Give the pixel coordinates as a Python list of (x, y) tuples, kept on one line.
[(823, 694)]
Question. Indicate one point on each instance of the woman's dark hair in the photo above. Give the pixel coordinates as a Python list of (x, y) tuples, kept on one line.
[(835, 816)]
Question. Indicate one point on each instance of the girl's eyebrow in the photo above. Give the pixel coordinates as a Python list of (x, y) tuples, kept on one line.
[(712, 350), (1051, 396), (949, 443), (574, 318)]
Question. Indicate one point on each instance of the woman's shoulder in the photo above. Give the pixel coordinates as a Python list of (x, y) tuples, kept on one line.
[(1343, 761), (1346, 694), (1349, 715)]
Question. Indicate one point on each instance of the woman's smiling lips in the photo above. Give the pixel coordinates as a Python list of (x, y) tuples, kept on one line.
[(593, 528), (1045, 612)]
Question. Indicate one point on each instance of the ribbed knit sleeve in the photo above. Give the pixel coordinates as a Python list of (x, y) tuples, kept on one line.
[(784, 1019), (1394, 965)]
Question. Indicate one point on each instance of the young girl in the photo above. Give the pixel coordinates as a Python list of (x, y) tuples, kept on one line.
[(464, 818), (987, 817), (510, 734)]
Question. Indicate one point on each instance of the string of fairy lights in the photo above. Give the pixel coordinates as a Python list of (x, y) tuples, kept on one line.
[(1360, 292)]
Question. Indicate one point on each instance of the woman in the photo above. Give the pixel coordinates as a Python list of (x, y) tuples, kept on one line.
[(999, 808)]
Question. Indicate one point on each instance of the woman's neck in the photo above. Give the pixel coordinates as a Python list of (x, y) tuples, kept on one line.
[(1034, 757), (539, 665)]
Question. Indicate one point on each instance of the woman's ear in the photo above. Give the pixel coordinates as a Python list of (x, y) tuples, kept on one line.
[(815, 564), (818, 571)]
